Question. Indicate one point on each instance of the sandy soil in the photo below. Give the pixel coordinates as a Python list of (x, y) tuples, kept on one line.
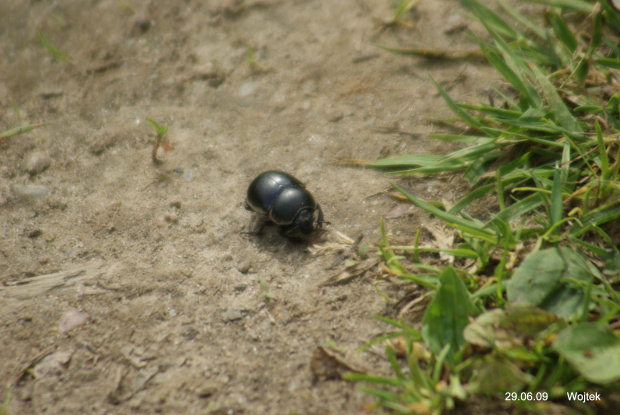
[(153, 256)]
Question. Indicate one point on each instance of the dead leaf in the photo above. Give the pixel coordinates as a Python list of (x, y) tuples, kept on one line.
[(398, 211), (348, 274), (327, 364)]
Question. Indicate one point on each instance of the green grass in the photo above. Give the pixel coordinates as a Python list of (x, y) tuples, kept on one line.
[(53, 50), (22, 129), (530, 304)]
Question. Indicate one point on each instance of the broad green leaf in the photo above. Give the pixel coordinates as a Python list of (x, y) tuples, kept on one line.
[(543, 280), (591, 349), (508, 328), (447, 315), (493, 375)]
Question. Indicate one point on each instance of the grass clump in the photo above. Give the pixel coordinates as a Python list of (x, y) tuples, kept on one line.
[(529, 312)]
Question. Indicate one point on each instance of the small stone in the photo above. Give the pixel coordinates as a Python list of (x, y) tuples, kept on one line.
[(192, 220), (171, 217), (335, 117), (29, 191), (247, 88), (141, 26), (35, 233), (232, 315), (206, 392), (189, 333), (71, 319), (245, 267), (53, 364), (38, 162)]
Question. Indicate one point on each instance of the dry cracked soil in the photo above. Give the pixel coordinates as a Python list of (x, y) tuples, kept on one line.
[(130, 287)]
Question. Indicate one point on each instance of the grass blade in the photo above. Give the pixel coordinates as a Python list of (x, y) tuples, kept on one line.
[(20, 130), (51, 48)]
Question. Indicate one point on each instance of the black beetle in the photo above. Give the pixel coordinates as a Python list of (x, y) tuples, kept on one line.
[(286, 202)]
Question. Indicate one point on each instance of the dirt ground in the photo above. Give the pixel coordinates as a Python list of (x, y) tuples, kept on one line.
[(129, 287)]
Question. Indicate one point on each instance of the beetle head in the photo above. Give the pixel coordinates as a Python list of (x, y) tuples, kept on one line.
[(305, 221)]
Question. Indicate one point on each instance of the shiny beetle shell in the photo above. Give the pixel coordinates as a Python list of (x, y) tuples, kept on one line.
[(286, 202)]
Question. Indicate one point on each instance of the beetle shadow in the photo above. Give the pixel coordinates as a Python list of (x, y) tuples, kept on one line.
[(269, 237)]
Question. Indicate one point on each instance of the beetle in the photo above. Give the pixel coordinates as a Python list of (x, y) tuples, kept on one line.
[(286, 202)]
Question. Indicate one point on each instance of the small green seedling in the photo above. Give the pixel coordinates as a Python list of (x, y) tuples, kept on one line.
[(4, 406), (255, 66), (266, 294), (363, 251), (159, 140), (401, 8)]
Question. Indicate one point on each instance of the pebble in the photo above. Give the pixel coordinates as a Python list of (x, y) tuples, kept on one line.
[(71, 320), (189, 333), (232, 315), (245, 267), (53, 364), (37, 163), (206, 391), (35, 233), (29, 190), (247, 88), (189, 175)]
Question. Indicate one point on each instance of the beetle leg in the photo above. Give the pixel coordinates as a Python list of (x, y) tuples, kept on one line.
[(320, 220), (287, 231), (258, 224)]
